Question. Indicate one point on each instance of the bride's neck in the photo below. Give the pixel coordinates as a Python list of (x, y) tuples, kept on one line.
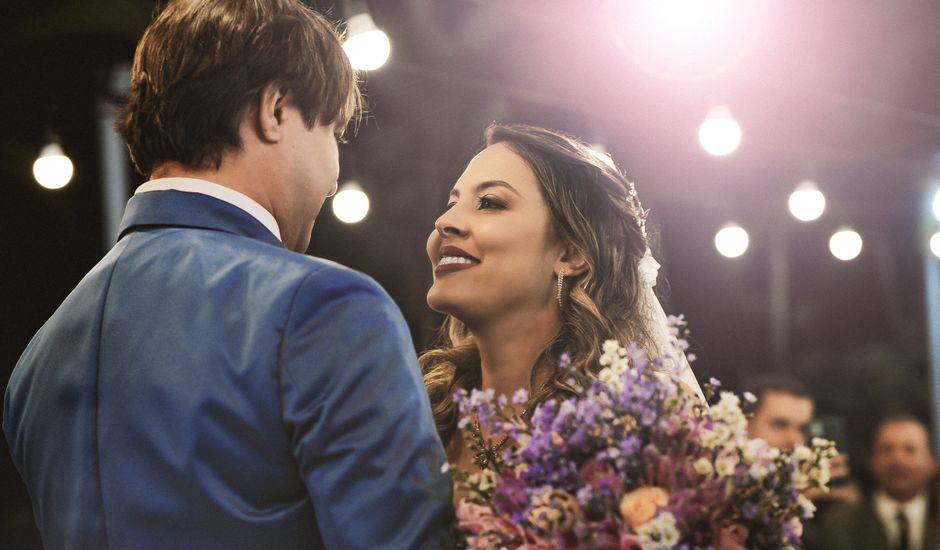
[(509, 347)]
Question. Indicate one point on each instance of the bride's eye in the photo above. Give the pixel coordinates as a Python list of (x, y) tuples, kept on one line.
[(490, 202)]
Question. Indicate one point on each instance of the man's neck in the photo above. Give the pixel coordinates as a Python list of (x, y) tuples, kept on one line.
[(226, 175)]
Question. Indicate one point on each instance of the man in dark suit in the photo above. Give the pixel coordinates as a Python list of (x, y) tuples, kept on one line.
[(206, 385), (895, 517)]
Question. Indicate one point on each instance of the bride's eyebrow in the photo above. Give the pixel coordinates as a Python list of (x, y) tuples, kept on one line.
[(484, 185)]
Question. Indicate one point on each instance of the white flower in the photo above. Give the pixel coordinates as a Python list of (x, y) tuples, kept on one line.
[(613, 380), (758, 450), (802, 453), (800, 480), (709, 439), (809, 509), (611, 347), (821, 474), (725, 465), (659, 533), (703, 466), (723, 432), (758, 471)]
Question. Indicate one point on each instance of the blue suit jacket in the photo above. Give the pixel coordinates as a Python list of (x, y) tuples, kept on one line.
[(203, 387)]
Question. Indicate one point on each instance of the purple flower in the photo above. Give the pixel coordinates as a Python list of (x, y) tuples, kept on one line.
[(510, 495)]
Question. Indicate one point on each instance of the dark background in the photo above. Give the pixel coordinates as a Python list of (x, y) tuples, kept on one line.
[(843, 92)]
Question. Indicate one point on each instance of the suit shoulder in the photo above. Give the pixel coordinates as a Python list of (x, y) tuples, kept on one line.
[(315, 271)]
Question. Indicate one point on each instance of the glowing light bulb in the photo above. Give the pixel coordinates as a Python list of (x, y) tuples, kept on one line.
[(720, 134), (351, 204), (731, 240), (52, 169), (807, 203), (367, 46), (845, 244)]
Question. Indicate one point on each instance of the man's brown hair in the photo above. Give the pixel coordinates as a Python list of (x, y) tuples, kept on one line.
[(201, 65)]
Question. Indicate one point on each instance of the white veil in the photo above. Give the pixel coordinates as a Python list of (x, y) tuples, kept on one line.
[(663, 337)]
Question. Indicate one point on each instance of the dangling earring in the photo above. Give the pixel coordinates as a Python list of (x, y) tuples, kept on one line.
[(561, 285)]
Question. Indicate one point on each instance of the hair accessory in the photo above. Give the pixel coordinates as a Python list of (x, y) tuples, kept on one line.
[(638, 212), (561, 285)]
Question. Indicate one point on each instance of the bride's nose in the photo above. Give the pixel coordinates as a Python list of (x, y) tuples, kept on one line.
[(450, 224)]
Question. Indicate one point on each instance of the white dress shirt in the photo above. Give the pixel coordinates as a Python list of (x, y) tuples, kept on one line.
[(915, 510), (231, 196)]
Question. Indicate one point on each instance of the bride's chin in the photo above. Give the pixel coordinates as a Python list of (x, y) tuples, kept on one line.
[(447, 307)]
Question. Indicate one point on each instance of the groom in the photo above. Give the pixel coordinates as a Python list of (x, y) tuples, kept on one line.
[(206, 385)]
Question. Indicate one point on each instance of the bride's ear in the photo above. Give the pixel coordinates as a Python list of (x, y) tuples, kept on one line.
[(572, 261)]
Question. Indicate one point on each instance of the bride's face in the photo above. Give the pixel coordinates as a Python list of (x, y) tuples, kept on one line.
[(492, 250)]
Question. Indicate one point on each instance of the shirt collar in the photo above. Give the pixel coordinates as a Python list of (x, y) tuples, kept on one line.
[(915, 510), (227, 194)]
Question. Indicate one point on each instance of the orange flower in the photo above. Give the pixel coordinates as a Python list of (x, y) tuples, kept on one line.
[(639, 506)]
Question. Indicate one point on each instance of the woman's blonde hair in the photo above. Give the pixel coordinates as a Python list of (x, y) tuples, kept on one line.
[(594, 209)]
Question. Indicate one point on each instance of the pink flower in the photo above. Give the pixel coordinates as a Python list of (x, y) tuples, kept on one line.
[(597, 475), (630, 542), (481, 521), (639, 506)]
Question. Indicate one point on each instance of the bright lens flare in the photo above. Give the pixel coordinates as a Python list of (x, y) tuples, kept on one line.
[(936, 204), (807, 203), (351, 204), (686, 39), (720, 134), (731, 240), (368, 46), (845, 244), (935, 244), (52, 170)]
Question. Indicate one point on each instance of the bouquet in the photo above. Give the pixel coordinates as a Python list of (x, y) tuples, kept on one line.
[(632, 460)]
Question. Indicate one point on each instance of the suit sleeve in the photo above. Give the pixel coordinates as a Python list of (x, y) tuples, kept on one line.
[(360, 422)]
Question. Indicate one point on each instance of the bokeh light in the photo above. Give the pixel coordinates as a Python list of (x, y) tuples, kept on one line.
[(807, 203), (845, 244), (731, 240), (935, 244), (351, 204), (720, 134), (367, 46), (53, 169)]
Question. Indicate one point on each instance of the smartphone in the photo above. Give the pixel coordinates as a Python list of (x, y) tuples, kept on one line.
[(828, 426), (831, 427)]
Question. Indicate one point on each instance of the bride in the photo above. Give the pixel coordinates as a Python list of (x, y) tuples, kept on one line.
[(541, 251)]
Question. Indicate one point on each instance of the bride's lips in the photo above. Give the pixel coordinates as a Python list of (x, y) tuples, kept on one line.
[(452, 258)]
